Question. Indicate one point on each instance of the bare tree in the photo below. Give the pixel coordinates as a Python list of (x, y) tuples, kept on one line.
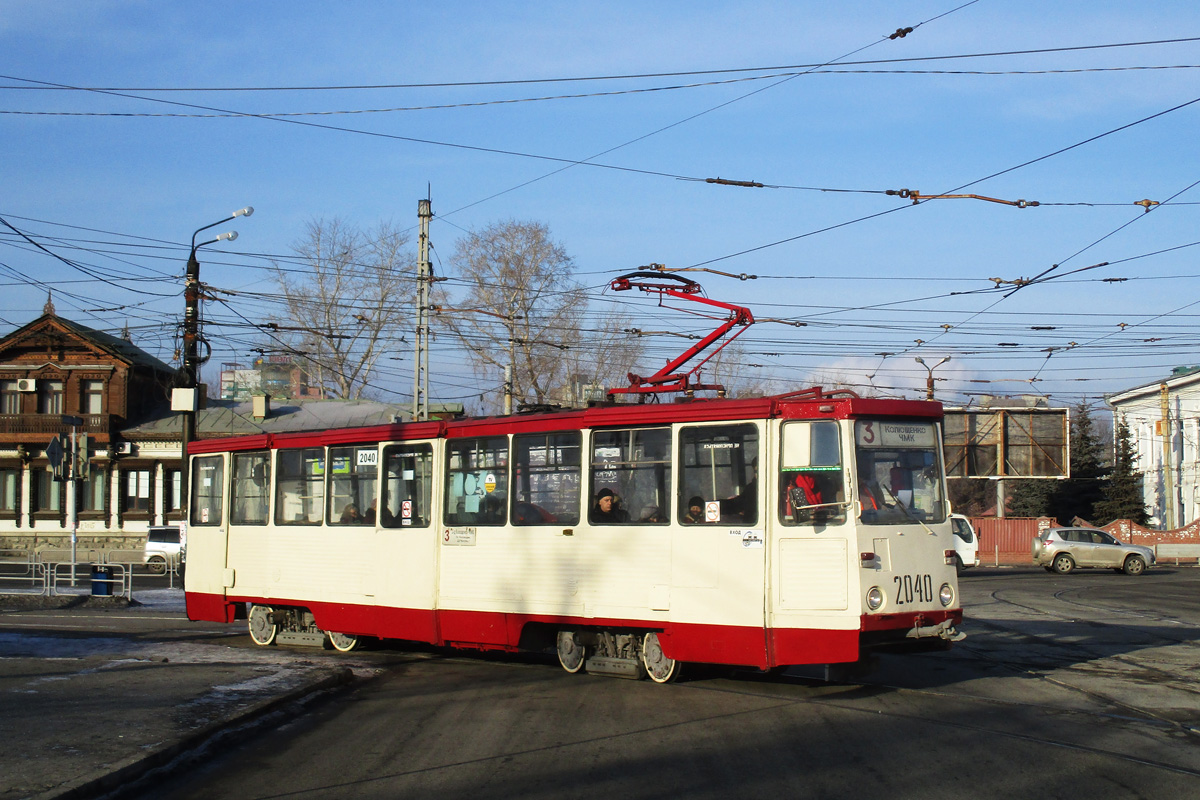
[(347, 302), (605, 354), (521, 307)]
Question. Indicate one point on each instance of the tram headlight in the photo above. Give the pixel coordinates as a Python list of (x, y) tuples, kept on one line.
[(874, 598), (946, 595)]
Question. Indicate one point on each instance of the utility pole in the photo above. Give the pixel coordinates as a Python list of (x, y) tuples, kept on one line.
[(508, 388), (186, 398), (70, 472), (1164, 395), (424, 280)]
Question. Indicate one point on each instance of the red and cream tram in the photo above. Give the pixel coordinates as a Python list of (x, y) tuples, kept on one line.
[(806, 528)]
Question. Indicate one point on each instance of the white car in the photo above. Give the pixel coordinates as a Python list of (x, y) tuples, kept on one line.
[(162, 548), (966, 543)]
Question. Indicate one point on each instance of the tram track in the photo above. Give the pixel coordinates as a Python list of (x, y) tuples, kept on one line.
[(1139, 671), (1149, 722)]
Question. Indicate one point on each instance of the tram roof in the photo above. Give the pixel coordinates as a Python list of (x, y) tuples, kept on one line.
[(811, 404)]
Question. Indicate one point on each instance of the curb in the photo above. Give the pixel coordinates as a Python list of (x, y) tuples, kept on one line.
[(125, 775)]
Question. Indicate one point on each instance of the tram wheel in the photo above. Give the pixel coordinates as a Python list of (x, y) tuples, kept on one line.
[(262, 629), (571, 654), (342, 642), (660, 668)]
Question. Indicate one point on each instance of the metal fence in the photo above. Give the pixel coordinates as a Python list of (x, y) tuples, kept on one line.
[(105, 573)]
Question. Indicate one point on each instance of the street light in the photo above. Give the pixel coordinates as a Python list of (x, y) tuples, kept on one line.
[(191, 349), (929, 381)]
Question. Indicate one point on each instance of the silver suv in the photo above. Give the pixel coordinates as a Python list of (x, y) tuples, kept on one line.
[(1063, 549)]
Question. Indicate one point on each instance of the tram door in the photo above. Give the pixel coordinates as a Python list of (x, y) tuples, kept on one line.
[(812, 547), (407, 537), (718, 552)]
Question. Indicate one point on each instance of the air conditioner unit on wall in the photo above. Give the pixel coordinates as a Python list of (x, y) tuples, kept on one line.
[(123, 448), (26, 385)]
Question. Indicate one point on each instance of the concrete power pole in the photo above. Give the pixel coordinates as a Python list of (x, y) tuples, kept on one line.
[(1168, 480), (424, 280)]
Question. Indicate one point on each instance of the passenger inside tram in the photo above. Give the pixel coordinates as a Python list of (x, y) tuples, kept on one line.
[(350, 515), (812, 497), (607, 508)]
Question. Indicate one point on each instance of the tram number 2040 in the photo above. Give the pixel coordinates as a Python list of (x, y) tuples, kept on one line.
[(913, 589)]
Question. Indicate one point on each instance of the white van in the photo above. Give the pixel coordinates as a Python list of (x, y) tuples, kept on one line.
[(966, 543)]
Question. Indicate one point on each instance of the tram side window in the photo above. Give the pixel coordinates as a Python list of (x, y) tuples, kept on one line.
[(353, 476), (407, 486), (477, 481), (251, 488), (634, 465), (719, 463), (208, 490), (547, 470), (812, 489), (300, 486)]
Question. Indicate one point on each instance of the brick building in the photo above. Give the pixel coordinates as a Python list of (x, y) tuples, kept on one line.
[(53, 367)]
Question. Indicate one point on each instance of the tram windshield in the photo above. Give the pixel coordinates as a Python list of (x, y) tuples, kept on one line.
[(899, 474)]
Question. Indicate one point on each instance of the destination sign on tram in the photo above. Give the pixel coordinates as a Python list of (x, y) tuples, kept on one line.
[(881, 433)]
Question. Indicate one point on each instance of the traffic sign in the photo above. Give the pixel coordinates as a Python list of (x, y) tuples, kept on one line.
[(55, 452)]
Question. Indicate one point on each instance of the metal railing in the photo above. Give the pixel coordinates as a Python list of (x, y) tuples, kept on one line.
[(103, 578), (107, 573), (27, 571)]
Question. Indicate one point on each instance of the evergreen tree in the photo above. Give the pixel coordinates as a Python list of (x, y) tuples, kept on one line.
[(1078, 495), (1123, 498), (971, 496), (1030, 497)]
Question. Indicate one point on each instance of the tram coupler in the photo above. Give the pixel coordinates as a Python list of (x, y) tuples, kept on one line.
[(944, 630)]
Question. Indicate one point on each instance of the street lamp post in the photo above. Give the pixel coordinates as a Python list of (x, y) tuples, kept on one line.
[(929, 380), (190, 374)]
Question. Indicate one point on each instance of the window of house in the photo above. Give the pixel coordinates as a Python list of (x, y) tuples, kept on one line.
[(635, 466), (719, 466), (353, 477), (300, 486), (136, 489), (90, 493), (47, 492), (50, 396), (477, 481), (547, 477), (251, 488), (407, 486), (92, 399), (172, 490), (10, 484), (208, 487), (10, 398)]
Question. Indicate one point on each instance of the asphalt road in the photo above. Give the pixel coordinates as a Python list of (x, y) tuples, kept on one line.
[(1068, 686)]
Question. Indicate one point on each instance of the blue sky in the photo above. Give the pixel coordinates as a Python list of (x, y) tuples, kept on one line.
[(864, 281)]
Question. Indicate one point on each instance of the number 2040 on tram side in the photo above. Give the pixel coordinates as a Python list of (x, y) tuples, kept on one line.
[(809, 528)]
